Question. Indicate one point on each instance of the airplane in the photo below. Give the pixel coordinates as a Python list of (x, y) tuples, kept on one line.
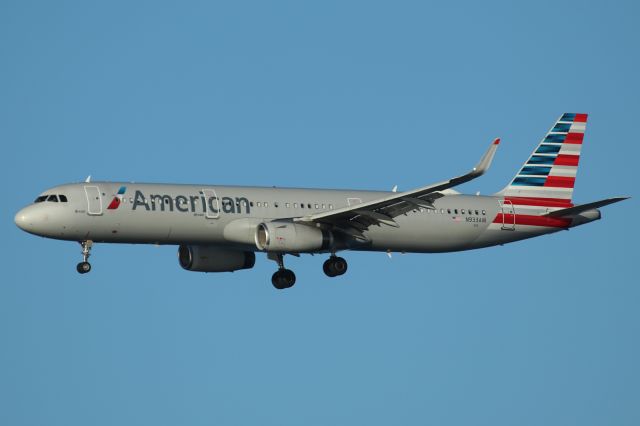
[(220, 228)]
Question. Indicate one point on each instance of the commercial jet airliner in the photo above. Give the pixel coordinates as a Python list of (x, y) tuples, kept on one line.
[(220, 228)]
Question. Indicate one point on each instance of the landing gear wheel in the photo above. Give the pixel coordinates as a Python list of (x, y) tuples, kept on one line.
[(83, 267), (327, 268), (283, 278), (334, 266), (339, 266)]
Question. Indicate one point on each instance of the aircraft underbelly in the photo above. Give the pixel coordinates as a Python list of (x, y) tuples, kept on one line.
[(158, 227), (426, 233)]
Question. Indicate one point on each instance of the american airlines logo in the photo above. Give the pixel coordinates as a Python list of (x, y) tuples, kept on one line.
[(200, 203), (117, 199)]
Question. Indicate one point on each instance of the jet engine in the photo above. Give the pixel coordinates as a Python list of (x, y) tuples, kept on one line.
[(213, 259), (284, 236)]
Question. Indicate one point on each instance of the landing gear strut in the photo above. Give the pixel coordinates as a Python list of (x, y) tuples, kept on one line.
[(84, 266), (282, 278), (334, 266)]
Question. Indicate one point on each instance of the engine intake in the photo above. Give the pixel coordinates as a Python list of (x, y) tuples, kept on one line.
[(283, 236), (213, 259)]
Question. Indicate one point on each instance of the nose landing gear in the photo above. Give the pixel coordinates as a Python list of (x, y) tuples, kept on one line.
[(334, 266), (84, 266)]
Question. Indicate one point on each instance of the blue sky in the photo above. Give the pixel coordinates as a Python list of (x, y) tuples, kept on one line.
[(318, 94)]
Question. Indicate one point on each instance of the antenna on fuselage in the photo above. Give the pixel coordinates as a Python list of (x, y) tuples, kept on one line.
[(88, 179)]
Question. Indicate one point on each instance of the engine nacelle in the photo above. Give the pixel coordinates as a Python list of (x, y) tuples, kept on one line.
[(284, 236), (213, 259)]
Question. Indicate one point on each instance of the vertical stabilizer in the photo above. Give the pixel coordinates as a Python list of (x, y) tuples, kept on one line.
[(550, 173)]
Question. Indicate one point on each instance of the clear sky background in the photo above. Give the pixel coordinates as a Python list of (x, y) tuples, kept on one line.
[(319, 94)]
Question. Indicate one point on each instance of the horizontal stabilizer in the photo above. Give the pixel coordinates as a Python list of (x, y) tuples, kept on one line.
[(571, 211)]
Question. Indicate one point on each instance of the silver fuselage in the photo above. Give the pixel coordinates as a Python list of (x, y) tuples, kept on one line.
[(211, 215)]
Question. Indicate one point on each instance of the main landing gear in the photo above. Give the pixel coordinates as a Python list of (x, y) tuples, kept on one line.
[(84, 266), (285, 278), (282, 278), (334, 266)]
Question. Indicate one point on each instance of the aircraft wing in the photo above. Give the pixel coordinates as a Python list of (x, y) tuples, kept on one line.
[(355, 219)]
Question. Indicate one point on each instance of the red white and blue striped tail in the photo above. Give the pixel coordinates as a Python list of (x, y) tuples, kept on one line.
[(549, 175)]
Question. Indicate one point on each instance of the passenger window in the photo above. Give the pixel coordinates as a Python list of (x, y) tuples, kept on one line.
[(53, 198), (309, 205), (476, 212), (455, 211), (302, 205), (275, 205), (317, 206), (442, 211), (251, 203), (266, 204), (324, 207), (484, 212), (462, 211), (449, 211), (330, 206), (40, 199), (287, 205), (259, 204), (295, 205)]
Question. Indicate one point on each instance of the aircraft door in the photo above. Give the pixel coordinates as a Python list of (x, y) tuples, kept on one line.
[(94, 200), (508, 215), (212, 210), (353, 201)]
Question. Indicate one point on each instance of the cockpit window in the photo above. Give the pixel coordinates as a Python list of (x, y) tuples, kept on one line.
[(54, 198)]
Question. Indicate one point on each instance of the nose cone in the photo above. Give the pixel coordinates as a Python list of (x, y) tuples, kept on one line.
[(31, 219), (22, 220)]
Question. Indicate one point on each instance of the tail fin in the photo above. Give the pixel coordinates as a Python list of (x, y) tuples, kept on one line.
[(550, 173)]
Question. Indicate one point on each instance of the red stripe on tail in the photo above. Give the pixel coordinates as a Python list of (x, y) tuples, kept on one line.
[(560, 181), (574, 138), (566, 160)]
